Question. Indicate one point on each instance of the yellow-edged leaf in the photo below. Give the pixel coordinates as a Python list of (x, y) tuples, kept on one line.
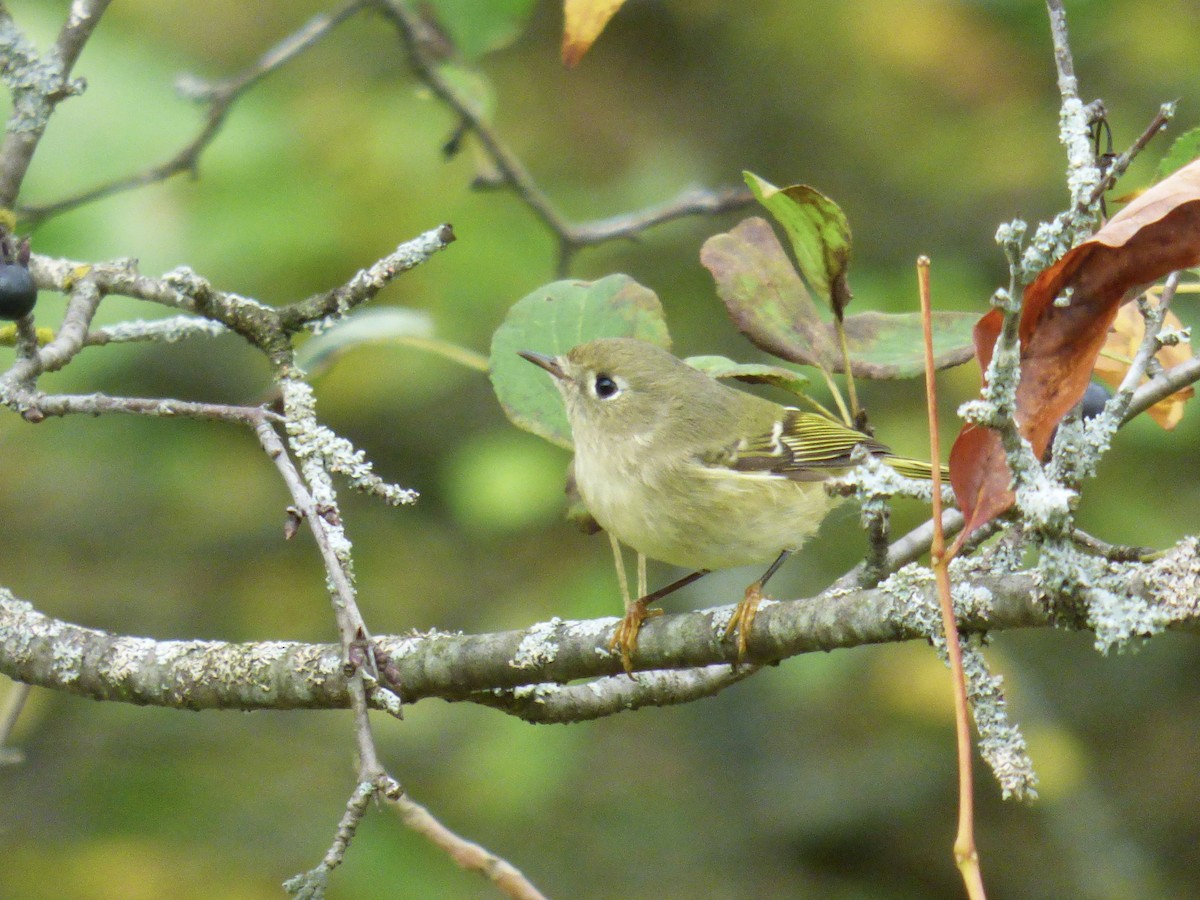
[(1122, 345), (584, 20)]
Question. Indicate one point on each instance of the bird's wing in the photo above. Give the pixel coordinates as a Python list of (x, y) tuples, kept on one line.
[(801, 446)]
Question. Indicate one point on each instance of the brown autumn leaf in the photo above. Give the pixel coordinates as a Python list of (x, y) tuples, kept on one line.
[(584, 20), (1122, 345), (1154, 235)]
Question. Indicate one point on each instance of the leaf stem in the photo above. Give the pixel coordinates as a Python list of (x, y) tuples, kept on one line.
[(965, 852)]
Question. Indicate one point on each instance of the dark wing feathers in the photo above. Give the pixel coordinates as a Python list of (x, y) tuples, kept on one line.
[(806, 446)]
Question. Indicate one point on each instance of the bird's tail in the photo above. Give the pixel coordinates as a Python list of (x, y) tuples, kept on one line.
[(914, 468)]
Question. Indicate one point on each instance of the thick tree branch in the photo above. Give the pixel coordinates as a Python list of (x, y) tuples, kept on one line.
[(40, 650)]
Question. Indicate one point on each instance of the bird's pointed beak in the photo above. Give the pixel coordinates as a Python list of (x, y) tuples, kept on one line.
[(549, 363)]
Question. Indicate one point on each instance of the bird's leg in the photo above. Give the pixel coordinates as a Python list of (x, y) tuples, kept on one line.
[(742, 619), (625, 636)]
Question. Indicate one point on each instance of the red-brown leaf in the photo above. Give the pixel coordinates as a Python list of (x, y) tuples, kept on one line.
[(1154, 235)]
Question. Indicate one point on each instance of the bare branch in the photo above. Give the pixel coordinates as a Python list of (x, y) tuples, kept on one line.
[(572, 237), (220, 98), (367, 282), (466, 854), (35, 407), (1163, 385), (38, 86), (1159, 123), (555, 703)]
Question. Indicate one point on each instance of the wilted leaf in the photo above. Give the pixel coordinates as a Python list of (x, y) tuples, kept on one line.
[(765, 297), (1154, 235), (584, 20), (752, 373), (1122, 345), (553, 319), (771, 306), (819, 233)]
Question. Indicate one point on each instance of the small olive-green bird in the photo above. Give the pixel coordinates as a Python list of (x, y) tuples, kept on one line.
[(692, 472)]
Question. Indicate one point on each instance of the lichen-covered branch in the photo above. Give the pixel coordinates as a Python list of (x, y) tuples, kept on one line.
[(37, 84), (40, 650)]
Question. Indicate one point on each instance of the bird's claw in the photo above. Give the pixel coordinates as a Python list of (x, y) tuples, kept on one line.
[(742, 620), (625, 637)]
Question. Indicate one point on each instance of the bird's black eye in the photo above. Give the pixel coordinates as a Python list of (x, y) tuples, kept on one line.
[(605, 387)]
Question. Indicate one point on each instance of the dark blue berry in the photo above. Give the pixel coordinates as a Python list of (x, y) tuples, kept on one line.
[(1093, 400), (17, 292)]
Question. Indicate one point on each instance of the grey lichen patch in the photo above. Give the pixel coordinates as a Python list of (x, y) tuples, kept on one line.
[(1174, 581), (586, 629), (127, 657), (1119, 612), (169, 330), (30, 78), (873, 482), (908, 593), (1001, 742), (67, 658), (1046, 505), (535, 693), (721, 617), (1119, 620), (912, 605), (538, 647), (316, 445)]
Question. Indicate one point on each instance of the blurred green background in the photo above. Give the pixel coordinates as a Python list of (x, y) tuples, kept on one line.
[(829, 776)]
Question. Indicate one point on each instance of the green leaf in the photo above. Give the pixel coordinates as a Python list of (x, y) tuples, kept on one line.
[(366, 326), (765, 297), (478, 28), (819, 233), (890, 345), (472, 87), (751, 373), (1185, 148), (552, 320)]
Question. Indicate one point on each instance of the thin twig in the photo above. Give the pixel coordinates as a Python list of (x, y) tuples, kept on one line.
[(36, 407), (1162, 386), (607, 696), (39, 88), (467, 854), (1068, 87), (353, 629), (1070, 467), (13, 704), (350, 621), (1165, 113), (220, 98), (366, 283), (512, 172)]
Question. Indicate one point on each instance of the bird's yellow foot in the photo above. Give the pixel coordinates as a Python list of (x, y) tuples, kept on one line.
[(742, 619), (625, 638)]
